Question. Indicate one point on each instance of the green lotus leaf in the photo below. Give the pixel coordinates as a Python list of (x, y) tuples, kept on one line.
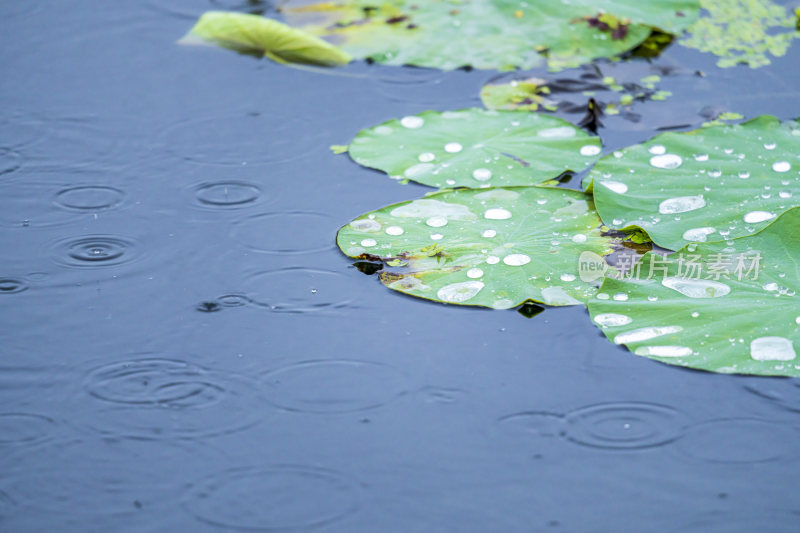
[(492, 247), (711, 184), (475, 148), (742, 31), (489, 34), (252, 34), (727, 307)]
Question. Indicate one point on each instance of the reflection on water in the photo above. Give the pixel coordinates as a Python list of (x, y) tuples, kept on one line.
[(184, 349)]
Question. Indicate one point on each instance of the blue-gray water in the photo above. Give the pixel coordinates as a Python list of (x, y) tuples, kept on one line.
[(184, 349)]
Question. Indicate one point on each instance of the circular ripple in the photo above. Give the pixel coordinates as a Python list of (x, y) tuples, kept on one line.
[(89, 198), (36, 206), (227, 194), (9, 161), (94, 251), (335, 386), (740, 440), (24, 428), (11, 286), (537, 423), (85, 479), (163, 398), (623, 426), (19, 131), (276, 498), (219, 140), (78, 142), (301, 290), (233, 300), (286, 233), (781, 391)]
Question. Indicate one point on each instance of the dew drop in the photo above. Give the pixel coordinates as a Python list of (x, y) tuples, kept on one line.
[(698, 234), (459, 292), (474, 273), (590, 150), (567, 277), (436, 221), (696, 288), (744, 175), (426, 157), (681, 204), (772, 349), (488, 233), (368, 243), (453, 148), (497, 214), (412, 122), (620, 297), (781, 166), (492, 260), (645, 334), (482, 174), (579, 238), (701, 157), (664, 351), (394, 230), (616, 186), (612, 319), (657, 149), (436, 236), (666, 161), (365, 225), (516, 260), (754, 217)]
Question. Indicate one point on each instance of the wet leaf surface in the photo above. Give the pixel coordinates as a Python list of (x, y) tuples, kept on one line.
[(475, 148), (727, 307), (494, 248)]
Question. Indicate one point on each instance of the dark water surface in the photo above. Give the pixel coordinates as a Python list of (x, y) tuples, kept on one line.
[(184, 349)]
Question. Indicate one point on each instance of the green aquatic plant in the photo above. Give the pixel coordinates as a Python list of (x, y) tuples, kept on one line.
[(742, 31), (727, 307), (494, 247), (475, 148), (490, 34), (255, 35), (711, 184)]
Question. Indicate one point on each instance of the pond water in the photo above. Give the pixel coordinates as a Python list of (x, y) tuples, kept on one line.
[(184, 348)]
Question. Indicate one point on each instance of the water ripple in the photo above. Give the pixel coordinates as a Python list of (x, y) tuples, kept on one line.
[(227, 195), (623, 425), (286, 233), (95, 251), (25, 429), (784, 392), (219, 140), (12, 286), (280, 497), (334, 386), (740, 440), (165, 398), (301, 290)]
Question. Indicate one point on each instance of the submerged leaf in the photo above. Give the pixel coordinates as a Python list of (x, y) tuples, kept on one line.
[(490, 34), (252, 34), (725, 307), (494, 248), (711, 184), (475, 148)]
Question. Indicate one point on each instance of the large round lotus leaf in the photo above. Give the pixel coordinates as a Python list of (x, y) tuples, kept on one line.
[(475, 147), (251, 34), (489, 34), (711, 184), (725, 307), (494, 248)]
